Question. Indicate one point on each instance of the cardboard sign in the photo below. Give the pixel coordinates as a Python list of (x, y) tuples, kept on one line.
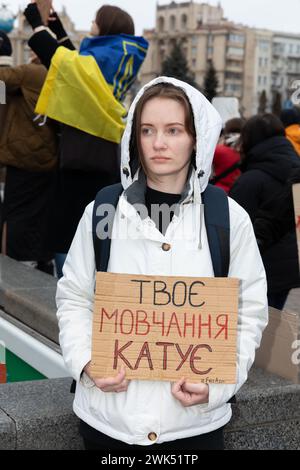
[(296, 194), (279, 345), (44, 6), (165, 328)]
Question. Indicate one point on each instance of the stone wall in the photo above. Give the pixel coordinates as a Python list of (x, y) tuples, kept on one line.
[(38, 415)]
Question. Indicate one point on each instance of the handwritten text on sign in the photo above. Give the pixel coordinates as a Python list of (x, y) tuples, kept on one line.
[(165, 328)]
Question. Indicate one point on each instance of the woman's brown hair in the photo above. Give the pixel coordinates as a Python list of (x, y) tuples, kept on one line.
[(161, 90), (113, 20)]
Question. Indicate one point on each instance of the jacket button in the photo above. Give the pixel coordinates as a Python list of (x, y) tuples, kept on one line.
[(166, 247), (152, 436)]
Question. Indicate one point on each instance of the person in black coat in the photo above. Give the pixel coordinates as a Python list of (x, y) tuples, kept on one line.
[(268, 162), (276, 218), (87, 163)]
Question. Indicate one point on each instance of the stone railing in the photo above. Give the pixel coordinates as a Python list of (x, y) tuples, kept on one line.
[(38, 415)]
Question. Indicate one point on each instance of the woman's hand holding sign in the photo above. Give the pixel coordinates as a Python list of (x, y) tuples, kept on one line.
[(115, 384), (189, 394)]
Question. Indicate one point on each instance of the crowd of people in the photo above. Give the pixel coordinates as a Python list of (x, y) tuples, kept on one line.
[(65, 134)]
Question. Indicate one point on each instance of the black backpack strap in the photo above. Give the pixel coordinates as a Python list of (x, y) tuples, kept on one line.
[(217, 221), (109, 195), (216, 213), (102, 241)]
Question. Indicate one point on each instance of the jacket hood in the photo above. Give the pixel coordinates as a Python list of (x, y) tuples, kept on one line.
[(275, 156), (293, 132), (208, 125)]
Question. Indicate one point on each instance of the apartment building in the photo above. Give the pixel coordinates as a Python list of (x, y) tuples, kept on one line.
[(248, 61)]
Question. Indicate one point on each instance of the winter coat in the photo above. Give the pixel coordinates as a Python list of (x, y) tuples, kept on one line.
[(5, 61), (276, 218), (268, 167), (149, 406), (225, 157), (23, 143), (293, 134)]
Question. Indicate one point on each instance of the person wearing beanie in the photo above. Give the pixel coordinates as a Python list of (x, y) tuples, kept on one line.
[(291, 122), (5, 50)]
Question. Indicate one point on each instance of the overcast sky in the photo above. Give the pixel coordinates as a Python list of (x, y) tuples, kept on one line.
[(271, 14)]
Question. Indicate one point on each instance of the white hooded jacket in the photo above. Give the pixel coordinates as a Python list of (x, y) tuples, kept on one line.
[(149, 407)]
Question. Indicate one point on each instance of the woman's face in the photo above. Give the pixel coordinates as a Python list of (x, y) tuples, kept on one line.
[(166, 145), (95, 29)]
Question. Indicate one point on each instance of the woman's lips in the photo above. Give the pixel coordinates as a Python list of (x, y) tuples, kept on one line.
[(160, 159)]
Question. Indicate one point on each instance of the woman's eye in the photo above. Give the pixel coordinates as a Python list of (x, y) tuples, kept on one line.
[(146, 131), (173, 131)]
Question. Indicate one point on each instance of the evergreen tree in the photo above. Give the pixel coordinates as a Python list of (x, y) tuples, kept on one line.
[(211, 82), (176, 66), (263, 101), (276, 106)]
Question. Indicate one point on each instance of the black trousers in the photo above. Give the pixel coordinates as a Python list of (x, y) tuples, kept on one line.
[(95, 440)]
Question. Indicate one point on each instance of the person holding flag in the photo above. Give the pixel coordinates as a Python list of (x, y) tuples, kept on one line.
[(84, 91)]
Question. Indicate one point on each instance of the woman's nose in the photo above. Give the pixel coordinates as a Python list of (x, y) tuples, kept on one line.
[(159, 141)]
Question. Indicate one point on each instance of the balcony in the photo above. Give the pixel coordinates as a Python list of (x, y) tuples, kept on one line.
[(235, 68)]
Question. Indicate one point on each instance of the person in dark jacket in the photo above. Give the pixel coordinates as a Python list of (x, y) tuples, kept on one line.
[(276, 218), (268, 161), (87, 162), (29, 153)]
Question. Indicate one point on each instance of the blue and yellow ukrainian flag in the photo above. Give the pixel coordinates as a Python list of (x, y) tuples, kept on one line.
[(85, 90)]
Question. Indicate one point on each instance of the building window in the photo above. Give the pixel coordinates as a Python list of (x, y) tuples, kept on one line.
[(184, 22), (194, 51), (172, 23), (233, 88), (194, 63), (161, 24), (234, 75), (234, 63), (263, 45), (194, 40), (238, 38), (235, 51), (172, 43)]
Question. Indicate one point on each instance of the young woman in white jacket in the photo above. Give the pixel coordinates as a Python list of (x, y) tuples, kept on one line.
[(167, 152)]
